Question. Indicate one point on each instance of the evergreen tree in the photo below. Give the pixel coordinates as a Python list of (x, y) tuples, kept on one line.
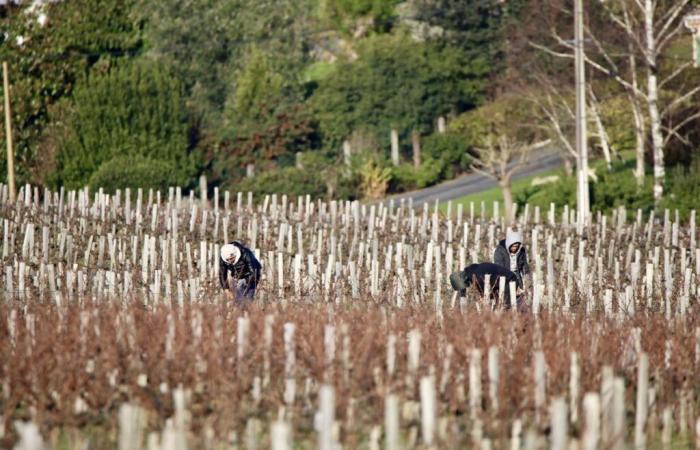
[(48, 49), (396, 83), (134, 111), (265, 116)]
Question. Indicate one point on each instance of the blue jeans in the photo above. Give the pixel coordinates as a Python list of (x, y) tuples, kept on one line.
[(243, 291)]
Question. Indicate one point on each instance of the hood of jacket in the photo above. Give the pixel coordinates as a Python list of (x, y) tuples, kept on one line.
[(513, 237)]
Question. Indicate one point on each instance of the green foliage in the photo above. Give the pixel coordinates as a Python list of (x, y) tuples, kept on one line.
[(509, 115), (618, 119), (612, 189), (619, 188), (562, 192), (408, 177), (265, 119), (356, 8), (451, 149), (476, 27), (147, 118), (287, 180), (341, 12), (683, 188), (79, 35), (395, 83), (265, 114), (374, 178), (207, 41), (133, 171)]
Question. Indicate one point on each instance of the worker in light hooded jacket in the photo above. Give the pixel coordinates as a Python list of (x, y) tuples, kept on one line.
[(511, 255), (239, 270)]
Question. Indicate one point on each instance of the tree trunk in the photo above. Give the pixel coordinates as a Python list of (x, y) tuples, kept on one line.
[(568, 165), (639, 132), (441, 124), (415, 142), (602, 133), (583, 205), (639, 126), (657, 140), (656, 137), (203, 190), (507, 200), (395, 147), (347, 152)]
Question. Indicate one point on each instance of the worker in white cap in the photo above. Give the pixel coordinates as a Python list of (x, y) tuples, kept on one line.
[(510, 254), (240, 264)]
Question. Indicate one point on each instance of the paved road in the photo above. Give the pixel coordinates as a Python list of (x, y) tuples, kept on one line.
[(473, 183)]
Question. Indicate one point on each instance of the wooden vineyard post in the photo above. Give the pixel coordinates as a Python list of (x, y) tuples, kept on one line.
[(29, 437), (574, 382), (329, 351), (475, 383), (391, 355), (414, 338), (242, 331), (281, 436), (559, 424), (428, 409), (131, 426), (618, 414), (606, 396), (666, 433), (326, 418), (493, 378), (8, 135), (540, 394), (516, 434), (591, 431), (391, 422), (642, 403), (289, 363)]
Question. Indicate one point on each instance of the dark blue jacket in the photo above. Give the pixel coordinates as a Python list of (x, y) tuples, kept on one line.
[(246, 268)]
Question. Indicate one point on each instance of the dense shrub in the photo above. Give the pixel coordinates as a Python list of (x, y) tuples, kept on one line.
[(134, 110), (407, 177), (619, 123), (619, 188), (562, 192), (451, 149), (683, 189), (134, 171), (288, 180)]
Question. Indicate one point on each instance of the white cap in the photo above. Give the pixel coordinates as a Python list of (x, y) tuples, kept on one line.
[(230, 253)]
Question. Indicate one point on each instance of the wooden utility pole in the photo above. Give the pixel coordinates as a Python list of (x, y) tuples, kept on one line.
[(581, 132), (8, 134)]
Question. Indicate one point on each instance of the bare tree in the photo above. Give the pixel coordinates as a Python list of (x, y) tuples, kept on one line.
[(558, 116), (648, 27), (500, 159)]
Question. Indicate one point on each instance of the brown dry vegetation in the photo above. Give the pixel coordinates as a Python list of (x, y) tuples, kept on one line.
[(99, 346)]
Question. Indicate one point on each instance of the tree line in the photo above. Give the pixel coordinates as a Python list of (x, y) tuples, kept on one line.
[(370, 96)]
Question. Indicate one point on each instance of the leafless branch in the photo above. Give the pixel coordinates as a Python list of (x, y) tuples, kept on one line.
[(680, 69), (669, 37), (671, 106), (673, 131), (670, 17), (550, 51)]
